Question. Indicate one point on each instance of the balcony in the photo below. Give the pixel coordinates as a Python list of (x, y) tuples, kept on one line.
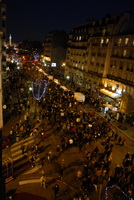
[(95, 44), (122, 57), (77, 47), (95, 73), (119, 79)]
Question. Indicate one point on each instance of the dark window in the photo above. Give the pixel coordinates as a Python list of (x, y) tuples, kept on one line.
[(120, 67)]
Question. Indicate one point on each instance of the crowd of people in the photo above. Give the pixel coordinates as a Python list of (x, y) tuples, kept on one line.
[(78, 128)]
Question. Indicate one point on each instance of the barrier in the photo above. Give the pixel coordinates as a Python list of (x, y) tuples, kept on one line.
[(7, 169)]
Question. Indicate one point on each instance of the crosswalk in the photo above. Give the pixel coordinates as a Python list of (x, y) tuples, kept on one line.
[(16, 152)]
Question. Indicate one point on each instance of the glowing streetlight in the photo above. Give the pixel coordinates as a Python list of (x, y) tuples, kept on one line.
[(30, 88), (68, 77), (63, 64)]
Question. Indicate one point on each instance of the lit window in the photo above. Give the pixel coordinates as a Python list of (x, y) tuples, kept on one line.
[(119, 42), (79, 38), (133, 43), (104, 31), (102, 40), (126, 41), (107, 40), (124, 53), (92, 59), (130, 65), (115, 52)]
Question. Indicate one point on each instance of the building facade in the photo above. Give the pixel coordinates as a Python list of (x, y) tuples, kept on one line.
[(100, 57), (55, 45), (76, 58), (1, 109), (3, 29), (2, 55)]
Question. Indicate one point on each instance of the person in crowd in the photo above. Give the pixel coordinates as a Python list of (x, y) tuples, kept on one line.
[(56, 189), (43, 181), (23, 149)]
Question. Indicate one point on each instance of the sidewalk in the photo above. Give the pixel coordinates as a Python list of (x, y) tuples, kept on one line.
[(13, 120), (125, 129)]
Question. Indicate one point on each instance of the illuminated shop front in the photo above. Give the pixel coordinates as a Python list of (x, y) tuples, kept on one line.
[(112, 100)]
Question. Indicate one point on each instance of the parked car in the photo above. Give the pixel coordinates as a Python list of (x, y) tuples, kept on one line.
[(6, 143)]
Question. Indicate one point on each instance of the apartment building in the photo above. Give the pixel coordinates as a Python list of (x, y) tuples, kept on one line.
[(77, 51), (1, 110), (100, 57), (120, 71), (55, 45), (3, 41), (2, 55)]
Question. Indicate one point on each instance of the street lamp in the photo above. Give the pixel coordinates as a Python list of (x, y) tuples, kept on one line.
[(30, 88), (67, 77), (63, 64)]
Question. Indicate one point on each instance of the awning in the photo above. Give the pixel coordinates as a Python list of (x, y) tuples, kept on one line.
[(50, 77), (110, 94), (56, 81), (106, 98), (45, 73), (79, 97), (64, 88)]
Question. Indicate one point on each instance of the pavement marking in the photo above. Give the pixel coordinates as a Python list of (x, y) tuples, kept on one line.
[(22, 141), (67, 184), (19, 145), (16, 152), (33, 170), (18, 157), (29, 181), (129, 146)]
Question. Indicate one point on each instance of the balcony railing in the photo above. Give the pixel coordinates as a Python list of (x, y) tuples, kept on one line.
[(95, 73), (77, 47), (122, 57), (119, 79)]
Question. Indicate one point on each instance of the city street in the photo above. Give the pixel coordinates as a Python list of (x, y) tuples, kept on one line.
[(27, 178), (67, 100)]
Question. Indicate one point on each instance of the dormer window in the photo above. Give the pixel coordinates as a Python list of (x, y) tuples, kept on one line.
[(126, 41), (107, 40), (103, 31), (124, 53), (119, 42), (79, 38)]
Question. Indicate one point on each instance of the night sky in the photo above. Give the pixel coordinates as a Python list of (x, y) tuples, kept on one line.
[(33, 19)]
